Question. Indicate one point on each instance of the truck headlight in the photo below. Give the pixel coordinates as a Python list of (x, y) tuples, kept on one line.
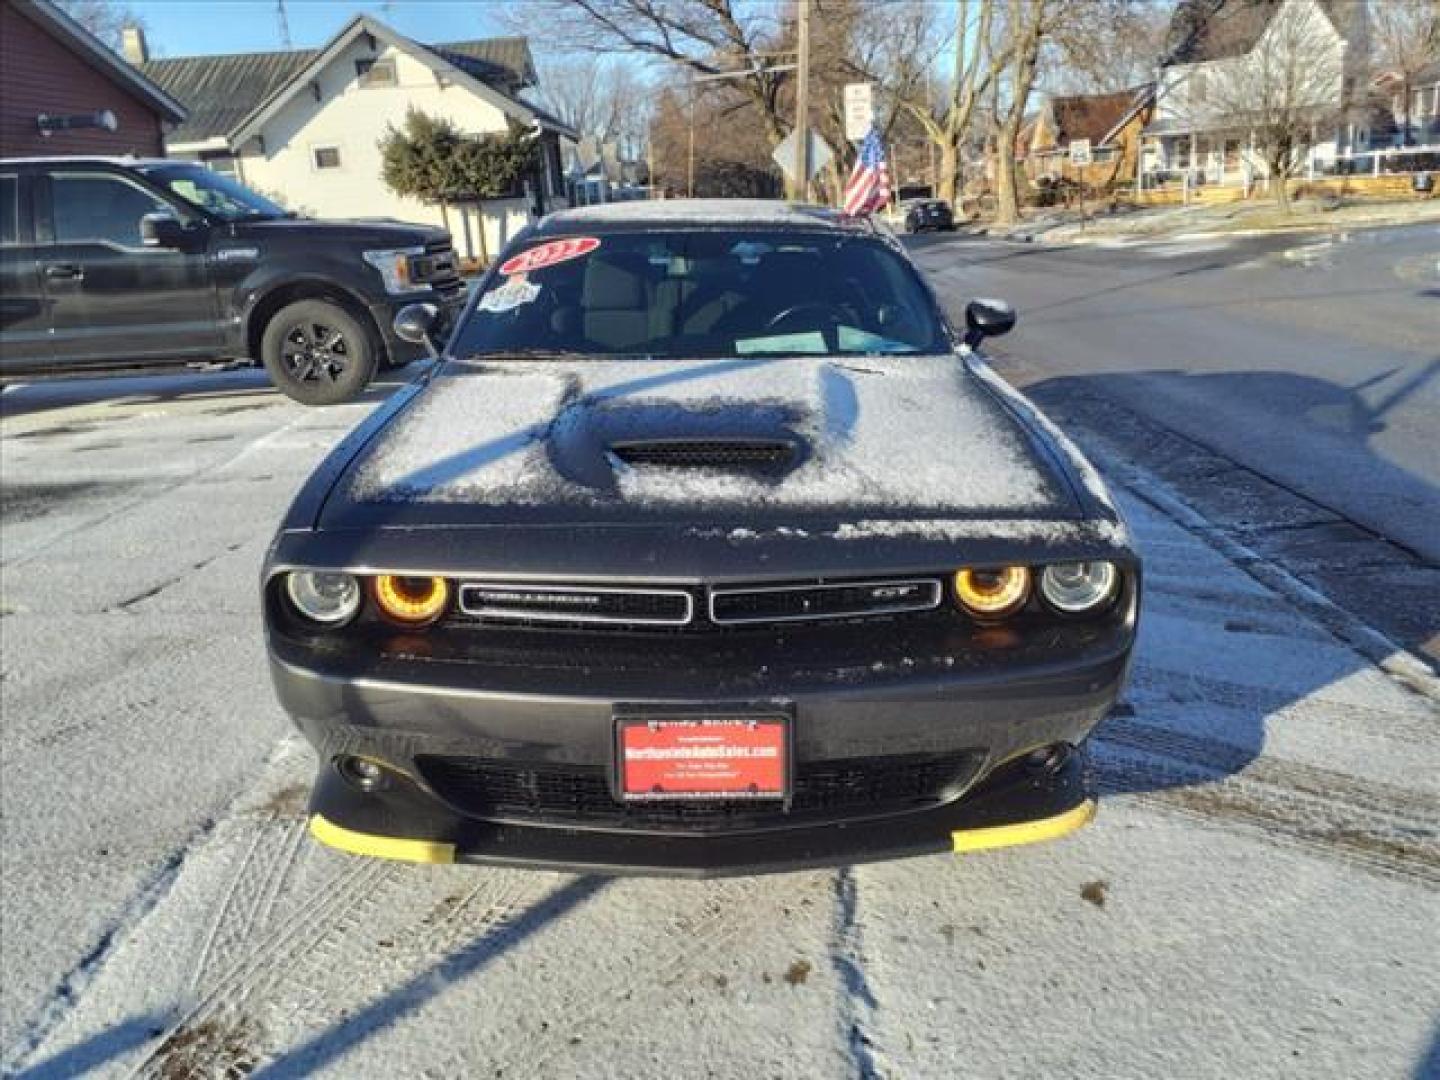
[(1078, 587), (395, 268)]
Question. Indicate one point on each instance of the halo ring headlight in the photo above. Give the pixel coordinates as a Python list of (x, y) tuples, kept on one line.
[(994, 593), (323, 596), (413, 601), (1075, 588)]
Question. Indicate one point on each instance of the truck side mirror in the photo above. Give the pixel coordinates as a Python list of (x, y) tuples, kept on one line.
[(987, 318), (419, 324), (162, 229)]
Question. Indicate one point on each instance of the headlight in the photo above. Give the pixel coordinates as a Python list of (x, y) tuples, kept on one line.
[(992, 593), (1077, 587), (412, 600), (324, 597), (395, 269)]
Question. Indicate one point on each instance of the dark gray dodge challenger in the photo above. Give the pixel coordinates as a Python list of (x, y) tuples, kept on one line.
[(708, 547)]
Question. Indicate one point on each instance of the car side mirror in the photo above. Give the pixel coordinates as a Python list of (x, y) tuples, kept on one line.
[(162, 229), (987, 318), (419, 324)]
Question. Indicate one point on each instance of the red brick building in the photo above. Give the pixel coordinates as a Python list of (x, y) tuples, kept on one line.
[(54, 74)]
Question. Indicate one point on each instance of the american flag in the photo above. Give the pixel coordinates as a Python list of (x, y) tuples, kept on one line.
[(868, 188)]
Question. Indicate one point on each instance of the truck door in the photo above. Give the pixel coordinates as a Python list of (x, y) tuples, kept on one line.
[(24, 327), (111, 298)]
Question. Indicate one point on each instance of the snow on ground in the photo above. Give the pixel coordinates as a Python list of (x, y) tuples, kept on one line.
[(1257, 898)]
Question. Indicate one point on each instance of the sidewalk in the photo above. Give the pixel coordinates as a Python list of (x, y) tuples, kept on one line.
[(1227, 219)]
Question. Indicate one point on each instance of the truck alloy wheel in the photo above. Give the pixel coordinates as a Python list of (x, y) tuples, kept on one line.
[(318, 353)]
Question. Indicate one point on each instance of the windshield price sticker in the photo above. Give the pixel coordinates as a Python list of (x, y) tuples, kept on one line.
[(556, 251), (508, 297)]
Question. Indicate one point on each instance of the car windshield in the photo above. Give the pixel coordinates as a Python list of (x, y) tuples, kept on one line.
[(214, 193), (704, 294)]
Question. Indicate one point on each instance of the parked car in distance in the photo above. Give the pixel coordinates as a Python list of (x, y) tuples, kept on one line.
[(924, 215), (709, 547), (116, 264)]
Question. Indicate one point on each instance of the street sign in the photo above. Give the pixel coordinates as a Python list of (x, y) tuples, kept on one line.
[(1080, 152), (820, 154), (859, 110)]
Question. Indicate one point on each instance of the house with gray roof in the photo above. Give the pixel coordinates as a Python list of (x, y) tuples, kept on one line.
[(304, 125)]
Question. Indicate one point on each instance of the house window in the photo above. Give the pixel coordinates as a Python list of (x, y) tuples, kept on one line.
[(325, 157), (372, 72)]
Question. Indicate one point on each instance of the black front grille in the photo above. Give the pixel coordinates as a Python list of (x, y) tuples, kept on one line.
[(485, 788), (791, 603), (762, 454), (437, 266), (495, 602)]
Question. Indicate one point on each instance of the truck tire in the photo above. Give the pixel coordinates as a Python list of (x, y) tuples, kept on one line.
[(318, 353)]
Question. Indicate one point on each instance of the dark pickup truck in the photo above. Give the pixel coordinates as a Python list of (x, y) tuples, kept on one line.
[(119, 264)]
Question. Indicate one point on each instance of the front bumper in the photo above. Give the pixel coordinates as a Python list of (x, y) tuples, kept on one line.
[(1021, 804), (991, 719)]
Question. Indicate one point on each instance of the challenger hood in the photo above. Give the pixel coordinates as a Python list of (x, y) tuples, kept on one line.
[(763, 440)]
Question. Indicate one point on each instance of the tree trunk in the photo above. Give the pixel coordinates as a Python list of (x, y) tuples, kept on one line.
[(1280, 178), (949, 188), (1007, 196)]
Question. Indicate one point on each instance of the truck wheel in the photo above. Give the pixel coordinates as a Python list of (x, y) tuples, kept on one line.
[(318, 353)]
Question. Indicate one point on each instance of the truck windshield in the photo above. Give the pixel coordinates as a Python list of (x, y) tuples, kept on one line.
[(703, 293), (214, 193)]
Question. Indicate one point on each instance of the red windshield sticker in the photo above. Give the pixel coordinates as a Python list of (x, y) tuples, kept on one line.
[(556, 251)]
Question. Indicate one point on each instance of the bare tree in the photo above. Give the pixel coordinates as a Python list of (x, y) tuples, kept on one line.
[(1029, 25), (600, 97), (106, 19), (1108, 45), (706, 37), (1289, 87), (1406, 37), (980, 56)]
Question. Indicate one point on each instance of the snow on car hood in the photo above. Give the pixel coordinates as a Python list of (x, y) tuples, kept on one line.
[(871, 436)]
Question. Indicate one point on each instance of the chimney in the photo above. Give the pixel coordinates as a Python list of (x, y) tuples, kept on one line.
[(132, 45)]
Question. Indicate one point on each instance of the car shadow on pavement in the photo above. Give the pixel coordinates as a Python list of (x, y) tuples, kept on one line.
[(1222, 657), (96, 1051), (325, 1047)]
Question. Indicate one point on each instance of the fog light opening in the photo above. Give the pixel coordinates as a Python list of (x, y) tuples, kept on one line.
[(362, 773), (1048, 759)]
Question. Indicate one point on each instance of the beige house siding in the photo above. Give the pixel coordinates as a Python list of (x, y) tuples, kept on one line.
[(343, 114)]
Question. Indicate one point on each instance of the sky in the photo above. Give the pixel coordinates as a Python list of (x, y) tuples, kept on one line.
[(197, 27)]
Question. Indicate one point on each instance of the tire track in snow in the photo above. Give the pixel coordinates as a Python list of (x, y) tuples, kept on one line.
[(316, 918)]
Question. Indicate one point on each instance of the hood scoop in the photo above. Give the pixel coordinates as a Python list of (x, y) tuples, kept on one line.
[(758, 455)]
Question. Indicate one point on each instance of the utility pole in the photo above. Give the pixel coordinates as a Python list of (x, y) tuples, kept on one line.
[(284, 23), (690, 167), (802, 104)]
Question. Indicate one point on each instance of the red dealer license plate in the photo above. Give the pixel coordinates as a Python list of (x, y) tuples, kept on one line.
[(705, 757)]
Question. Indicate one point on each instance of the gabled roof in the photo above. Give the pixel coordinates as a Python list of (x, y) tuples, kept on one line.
[(222, 91), (1096, 117), (502, 61), (91, 49), (232, 96), (1203, 30)]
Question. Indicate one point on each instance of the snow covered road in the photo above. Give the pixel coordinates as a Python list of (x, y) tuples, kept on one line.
[(1260, 895)]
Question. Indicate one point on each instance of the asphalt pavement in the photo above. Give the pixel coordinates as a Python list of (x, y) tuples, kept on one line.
[(1304, 368)]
